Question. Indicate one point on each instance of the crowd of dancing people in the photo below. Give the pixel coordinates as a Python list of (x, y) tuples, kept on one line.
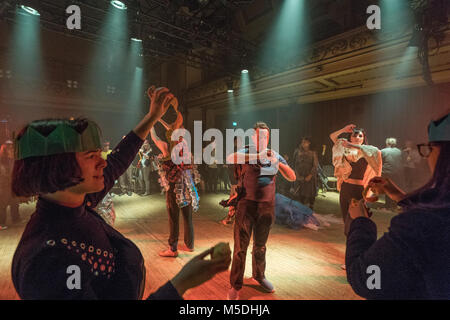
[(74, 178), (402, 165)]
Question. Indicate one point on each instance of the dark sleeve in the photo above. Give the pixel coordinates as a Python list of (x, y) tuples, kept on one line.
[(393, 254), (118, 162), (45, 277), (166, 292)]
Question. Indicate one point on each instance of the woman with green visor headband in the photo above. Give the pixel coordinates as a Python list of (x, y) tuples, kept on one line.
[(60, 162), (412, 259)]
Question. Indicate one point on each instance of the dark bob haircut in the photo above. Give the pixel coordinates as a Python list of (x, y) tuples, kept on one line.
[(47, 174), (436, 193), (347, 135)]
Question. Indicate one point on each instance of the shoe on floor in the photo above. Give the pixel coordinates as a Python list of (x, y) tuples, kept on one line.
[(233, 294), (186, 248), (169, 253), (3, 228), (265, 284)]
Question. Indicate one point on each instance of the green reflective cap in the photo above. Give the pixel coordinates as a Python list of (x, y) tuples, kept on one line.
[(62, 139)]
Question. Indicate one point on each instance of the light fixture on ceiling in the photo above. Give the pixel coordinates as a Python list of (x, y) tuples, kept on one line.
[(119, 4)]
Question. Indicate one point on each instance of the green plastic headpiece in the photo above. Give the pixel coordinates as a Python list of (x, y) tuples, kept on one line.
[(439, 130), (62, 139)]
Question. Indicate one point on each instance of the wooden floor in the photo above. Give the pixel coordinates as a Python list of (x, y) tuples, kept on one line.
[(302, 264)]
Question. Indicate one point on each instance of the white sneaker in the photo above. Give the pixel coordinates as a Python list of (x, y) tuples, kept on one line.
[(267, 286)]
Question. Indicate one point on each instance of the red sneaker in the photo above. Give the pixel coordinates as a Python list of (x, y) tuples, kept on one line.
[(185, 248), (169, 253)]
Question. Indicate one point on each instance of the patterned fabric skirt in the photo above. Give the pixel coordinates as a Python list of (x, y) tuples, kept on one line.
[(185, 177)]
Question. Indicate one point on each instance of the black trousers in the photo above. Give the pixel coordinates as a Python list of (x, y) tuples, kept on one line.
[(155, 187), (146, 177), (256, 217), (347, 193), (126, 181), (213, 179), (174, 218)]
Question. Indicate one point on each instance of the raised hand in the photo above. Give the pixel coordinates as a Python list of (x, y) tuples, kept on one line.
[(380, 185), (349, 128), (161, 99), (357, 209)]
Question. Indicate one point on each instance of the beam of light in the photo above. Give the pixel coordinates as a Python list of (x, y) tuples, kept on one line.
[(287, 37), (106, 68), (407, 63), (396, 15), (136, 66), (245, 100), (135, 102), (231, 115), (137, 90), (25, 55)]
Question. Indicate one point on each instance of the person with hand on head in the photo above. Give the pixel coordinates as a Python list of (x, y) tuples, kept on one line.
[(67, 251), (412, 259), (355, 163), (178, 176)]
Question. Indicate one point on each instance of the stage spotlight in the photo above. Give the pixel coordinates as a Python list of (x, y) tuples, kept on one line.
[(230, 86), (244, 71), (119, 4), (136, 33), (234, 124), (30, 10)]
